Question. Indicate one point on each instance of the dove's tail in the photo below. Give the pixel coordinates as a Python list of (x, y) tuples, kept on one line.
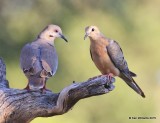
[(36, 83), (130, 82)]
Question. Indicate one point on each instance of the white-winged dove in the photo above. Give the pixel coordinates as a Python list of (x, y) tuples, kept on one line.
[(39, 60)]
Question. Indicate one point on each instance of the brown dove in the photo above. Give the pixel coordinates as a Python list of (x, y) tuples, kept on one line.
[(108, 57), (39, 60)]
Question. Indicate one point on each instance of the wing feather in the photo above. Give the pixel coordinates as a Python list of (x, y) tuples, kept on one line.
[(49, 59), (28, 57), (116, 55)]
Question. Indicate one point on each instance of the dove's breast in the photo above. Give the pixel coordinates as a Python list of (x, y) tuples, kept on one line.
[(102, 60)]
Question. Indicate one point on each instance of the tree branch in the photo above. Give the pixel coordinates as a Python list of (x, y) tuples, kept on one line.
[(22, 106)]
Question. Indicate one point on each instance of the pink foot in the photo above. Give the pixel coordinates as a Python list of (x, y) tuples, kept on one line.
[(110, 76), (27, 88)]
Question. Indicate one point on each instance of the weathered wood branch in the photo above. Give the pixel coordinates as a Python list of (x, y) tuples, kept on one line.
[(21, 106)]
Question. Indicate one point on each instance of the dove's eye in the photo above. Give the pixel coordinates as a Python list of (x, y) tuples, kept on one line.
[(92, 29), (56, 30)]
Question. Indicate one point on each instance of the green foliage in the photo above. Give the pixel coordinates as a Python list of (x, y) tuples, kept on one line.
[(134, 24)]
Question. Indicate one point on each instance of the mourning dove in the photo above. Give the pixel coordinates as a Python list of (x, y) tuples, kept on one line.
[(39, 60), (108, 57)]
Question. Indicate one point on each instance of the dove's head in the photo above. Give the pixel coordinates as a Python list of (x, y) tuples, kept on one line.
[(91, 32), (51, 32)]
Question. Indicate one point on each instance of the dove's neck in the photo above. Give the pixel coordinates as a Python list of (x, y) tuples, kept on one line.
[(47, 39), (43, 40), (99, 40), (96, 37), (50, 42)]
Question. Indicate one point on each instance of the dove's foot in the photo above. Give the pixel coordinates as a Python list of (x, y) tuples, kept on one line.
[(27, 88), (44, 89), (109, 84), (109, 76)]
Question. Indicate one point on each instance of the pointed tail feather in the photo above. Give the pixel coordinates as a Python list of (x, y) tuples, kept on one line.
[(130, 82), (132, 74)]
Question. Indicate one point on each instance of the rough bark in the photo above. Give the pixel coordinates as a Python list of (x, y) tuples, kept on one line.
[(22, 106)]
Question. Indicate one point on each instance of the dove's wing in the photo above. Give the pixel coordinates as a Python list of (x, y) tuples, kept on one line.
[(49, 59), (116, 55), (28, 57)]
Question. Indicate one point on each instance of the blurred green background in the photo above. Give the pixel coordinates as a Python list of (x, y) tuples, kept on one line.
[(135, 24)]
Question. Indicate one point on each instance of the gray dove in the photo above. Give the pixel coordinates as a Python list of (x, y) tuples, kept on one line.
[(39, 60), (108, 58)]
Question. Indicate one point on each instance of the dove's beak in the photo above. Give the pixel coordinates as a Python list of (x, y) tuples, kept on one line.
[(63, 37), (86, 35)]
